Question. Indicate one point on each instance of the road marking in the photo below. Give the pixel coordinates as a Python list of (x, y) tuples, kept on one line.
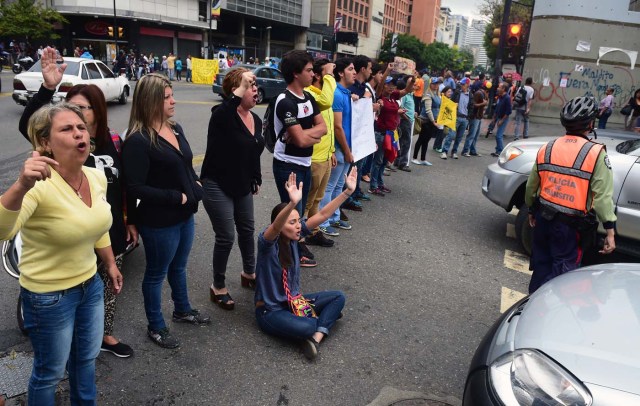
[(5, 94), (197, 160), (517, 262), (511, 230), (508, 298), (211, 103)]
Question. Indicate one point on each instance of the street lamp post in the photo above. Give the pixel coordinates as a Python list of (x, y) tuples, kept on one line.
[(115, 26)]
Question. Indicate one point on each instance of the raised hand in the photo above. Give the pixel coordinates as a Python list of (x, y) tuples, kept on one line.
[(35, 168), (295, 191), (352, 180), (248, 79), (51, 71)]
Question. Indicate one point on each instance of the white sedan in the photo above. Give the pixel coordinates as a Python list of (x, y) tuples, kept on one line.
[(79, 71)]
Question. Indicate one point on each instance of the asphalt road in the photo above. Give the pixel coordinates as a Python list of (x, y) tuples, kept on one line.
[(423, 270)]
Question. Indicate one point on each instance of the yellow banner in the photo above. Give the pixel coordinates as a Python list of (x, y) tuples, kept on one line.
[(204, 70), (448, 113)]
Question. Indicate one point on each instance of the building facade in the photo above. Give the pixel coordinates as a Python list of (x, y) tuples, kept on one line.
[(444, 33), (425, 19), (475, 42), (396, 17)]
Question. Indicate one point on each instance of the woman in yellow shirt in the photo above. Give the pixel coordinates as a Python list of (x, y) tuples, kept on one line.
[(60, 208)]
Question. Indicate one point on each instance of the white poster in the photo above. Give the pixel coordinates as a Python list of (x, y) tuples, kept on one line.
[(583, 46), (363, 141), (563, 82)]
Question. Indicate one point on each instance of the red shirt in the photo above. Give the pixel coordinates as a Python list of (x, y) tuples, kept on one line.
[(388, 119)]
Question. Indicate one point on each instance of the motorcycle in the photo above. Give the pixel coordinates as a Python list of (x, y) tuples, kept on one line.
[(23, 63), (4, 59)]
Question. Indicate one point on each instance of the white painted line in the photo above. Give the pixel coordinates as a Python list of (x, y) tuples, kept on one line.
[(511, 230), (508, 298), (517, 262)]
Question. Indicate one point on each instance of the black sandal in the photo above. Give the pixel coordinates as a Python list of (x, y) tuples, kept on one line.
[(247, 282), (222, 300)]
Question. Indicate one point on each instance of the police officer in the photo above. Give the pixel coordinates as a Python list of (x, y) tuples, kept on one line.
[(570, 180)]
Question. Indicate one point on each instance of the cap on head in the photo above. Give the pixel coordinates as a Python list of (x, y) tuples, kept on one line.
[(465, 81), (388, 79), (487, 84), (435, 80)]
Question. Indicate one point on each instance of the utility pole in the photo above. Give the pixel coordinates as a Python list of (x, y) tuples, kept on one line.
[(115, 26), (499, 52)]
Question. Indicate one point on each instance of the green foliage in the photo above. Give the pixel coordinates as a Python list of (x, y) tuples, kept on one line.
[(435, 56), (493, 10), (28, 19)]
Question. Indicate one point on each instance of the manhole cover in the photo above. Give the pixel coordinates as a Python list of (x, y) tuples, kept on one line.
[(15, 370)]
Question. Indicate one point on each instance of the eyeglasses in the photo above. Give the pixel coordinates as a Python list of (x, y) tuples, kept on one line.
[(84, 107)]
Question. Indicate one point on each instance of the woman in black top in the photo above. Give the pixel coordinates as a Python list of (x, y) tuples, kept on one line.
[(230, 176), (105, 148), (158, 163), (634, 102)]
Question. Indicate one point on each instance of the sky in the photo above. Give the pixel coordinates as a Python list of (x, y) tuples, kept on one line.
[(465, 7)]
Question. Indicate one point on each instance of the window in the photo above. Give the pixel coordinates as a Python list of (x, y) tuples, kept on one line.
[(314, 40), (264, 73), (94, 73), (634, 5), (85, 75), (105, 71), (339, 4), (202, 10), (277, 75), (360, 26), (365, 27), (351, 5)]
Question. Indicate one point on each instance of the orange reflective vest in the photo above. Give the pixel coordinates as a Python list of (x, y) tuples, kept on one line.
[(565, 167)]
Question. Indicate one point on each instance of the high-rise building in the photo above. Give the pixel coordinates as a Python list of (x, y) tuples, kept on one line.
[(396, 17), (445, 28), (460, 25), (475, 42), (425, 18)]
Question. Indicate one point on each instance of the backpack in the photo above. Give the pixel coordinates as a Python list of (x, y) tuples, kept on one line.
[(268, 128), (521, 97)]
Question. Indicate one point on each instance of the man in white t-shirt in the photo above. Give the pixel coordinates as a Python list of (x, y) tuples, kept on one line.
[(521, 106)]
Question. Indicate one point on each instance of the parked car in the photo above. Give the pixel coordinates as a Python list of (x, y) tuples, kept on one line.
[(505, 180), (79, 71), (575, 341), (270, 81)]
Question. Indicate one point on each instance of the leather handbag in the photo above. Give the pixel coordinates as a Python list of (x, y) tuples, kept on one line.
[(626, 110)]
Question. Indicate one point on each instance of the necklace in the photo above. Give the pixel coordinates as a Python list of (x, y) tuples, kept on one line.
[(74, 189)]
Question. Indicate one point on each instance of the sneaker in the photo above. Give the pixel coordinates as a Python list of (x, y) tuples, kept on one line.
[(304, 251), (352, 205), (193, 317), (443, 155), (454, 156), (343, 216), (525, 137), (391, 168), (308, 263), (466, 154), (310, 349), (438, 150), (120, 350), (341, 224), (376, 192), (416, 162), (385, 189), (405, 168), (426, 163), (163, 338), (476, 154), (330, 231), (319, 239), (495, 154), (362, 196), (516, 138)]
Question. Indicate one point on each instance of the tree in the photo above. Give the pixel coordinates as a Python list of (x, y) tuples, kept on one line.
[(28, 19), (408, 47), (493, 10)]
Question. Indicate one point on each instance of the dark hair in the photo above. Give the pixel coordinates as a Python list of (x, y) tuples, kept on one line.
[(528, 81), (95, 97), (341, 65), (318, 65), (445, 89), (284, 249), (294, 62), (375, 69), (361, 61), (481, 76)]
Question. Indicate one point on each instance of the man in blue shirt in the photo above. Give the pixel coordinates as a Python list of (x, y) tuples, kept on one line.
[(503, 111), (461, 96), (448, 80)]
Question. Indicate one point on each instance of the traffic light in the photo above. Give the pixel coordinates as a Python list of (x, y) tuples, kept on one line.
[(496, 37), (110, 31), (120, 32), (514, 31)]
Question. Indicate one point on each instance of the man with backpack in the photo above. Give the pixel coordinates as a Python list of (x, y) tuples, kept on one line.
[(297, 127), (521, 105)]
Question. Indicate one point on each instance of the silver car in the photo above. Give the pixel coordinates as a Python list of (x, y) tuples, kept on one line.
[(505, 180), (575, 341)]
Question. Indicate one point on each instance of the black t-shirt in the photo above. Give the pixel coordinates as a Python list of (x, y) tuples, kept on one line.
[(291, 110)]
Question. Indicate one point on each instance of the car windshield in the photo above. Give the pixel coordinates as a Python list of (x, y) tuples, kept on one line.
[(72, 68), (630, 147)]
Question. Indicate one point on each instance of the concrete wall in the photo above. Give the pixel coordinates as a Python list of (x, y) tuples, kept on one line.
[(370, 46), (561, 72)]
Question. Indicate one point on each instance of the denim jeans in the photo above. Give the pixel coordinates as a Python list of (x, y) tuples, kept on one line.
[(281, 172), (377, 168), (520, 116), (167, 251), (602, 120), (472, 136), (366, 166), (461, 126), (284, 324), (188, 78), (65, 329), (225, 213), (404, 130), (500, 135), (334, 186)]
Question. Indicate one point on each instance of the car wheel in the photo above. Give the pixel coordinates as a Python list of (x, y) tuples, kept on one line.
[(16, 69), (260, 96), (123, 96), (524, 232), (20, 316)]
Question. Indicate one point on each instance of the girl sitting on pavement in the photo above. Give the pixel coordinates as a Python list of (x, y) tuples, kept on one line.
[(281, 310)]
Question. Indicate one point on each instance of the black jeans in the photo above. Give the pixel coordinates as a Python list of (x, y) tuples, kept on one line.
[(224, 212), (404, 131), (427, 131)]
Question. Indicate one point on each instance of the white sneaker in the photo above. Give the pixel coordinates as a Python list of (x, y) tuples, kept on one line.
[(466, 154), (443, 155), (415, 161), (426, 163), (454, 156)]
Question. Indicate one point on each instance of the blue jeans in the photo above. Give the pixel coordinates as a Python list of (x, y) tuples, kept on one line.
[(377, 168), (188, 78), (281, 172), (284, 324), (461, 126), (65, 328), (366, 166), (520, 116), (167, 251), (602, 120), (500, 135), (334, 186), (472, 136)]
